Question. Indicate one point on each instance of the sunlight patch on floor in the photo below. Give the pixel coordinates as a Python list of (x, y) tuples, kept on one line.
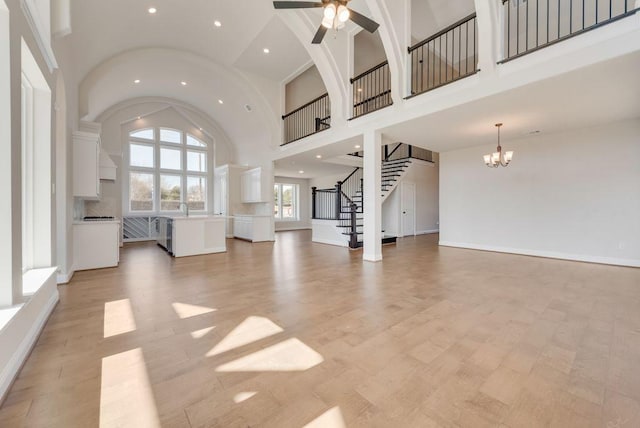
[(118, 318), (243, 396), (199, 334), (289, 355), (126, 397), (185, 310), (250, 330), (332, 418)]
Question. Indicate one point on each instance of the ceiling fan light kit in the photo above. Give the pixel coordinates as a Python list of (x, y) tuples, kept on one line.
[(335, 15)]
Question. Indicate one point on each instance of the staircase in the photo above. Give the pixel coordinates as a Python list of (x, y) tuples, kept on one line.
[(352, 224)]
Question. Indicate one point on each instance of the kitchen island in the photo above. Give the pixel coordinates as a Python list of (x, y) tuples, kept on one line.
[(194, 235)]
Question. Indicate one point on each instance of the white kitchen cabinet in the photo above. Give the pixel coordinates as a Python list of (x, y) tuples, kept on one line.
[(96, 244), (254, 186), (254, 228), (86, 165), (227, 193)]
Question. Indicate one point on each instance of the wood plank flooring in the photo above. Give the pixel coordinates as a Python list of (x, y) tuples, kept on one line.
[(296, 333)]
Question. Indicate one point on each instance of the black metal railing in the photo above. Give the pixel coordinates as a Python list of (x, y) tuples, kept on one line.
[(327, 204), (314, 116), (447, 56), (533, 24), (371, 90)]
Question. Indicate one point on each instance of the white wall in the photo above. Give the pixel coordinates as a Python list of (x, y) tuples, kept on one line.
[(574, 195), (425, 177), (367, 52)]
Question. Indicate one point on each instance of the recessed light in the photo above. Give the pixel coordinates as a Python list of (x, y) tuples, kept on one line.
[(265, 50), (319, 156), (357, 146), (152, 10), (220, 102), (139, 118), (200, 129), (359, 89), (217, 23), (301, 172), (183, 83), (136, 81)]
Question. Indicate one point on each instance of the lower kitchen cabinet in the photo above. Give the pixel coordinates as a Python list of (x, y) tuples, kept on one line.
[(254, 228), (96, 244)]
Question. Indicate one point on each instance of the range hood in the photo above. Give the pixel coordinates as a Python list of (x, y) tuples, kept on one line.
[(107, 166)]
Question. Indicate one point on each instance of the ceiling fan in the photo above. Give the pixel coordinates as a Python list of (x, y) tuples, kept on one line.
[(336, 14)]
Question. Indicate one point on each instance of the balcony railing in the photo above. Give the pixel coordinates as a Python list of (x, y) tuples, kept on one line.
[(315, 116), (371, 90), (533, 24), (447, 56)]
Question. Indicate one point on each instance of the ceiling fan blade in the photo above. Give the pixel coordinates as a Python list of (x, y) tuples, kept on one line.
[(366, 23), (296, 4), (317, 39)]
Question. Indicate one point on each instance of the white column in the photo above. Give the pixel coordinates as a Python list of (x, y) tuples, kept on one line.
[(372, 184), (489, 34)]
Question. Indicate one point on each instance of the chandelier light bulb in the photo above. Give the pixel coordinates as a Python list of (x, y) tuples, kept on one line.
[(343, 13), (330, 11), (327, 22), (496, 158)]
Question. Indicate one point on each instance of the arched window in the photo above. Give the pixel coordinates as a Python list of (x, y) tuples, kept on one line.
[(167, 167)]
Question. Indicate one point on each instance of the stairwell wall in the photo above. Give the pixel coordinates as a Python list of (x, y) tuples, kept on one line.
[(426, 178)]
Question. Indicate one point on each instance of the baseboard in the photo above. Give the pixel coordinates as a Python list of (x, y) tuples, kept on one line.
[(64, 278), (13, 367), (330, 242), (286, 229), (427, 232), (546, 254)]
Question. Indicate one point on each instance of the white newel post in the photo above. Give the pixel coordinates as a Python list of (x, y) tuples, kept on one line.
[(372, 196)]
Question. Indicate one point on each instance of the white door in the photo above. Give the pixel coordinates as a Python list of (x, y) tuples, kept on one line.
[(408, 209)]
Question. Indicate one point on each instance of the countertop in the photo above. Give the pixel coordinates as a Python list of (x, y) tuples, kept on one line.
[(196, 217), (78, 222), (251, 215)]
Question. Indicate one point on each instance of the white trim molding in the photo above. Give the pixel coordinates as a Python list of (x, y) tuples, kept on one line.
[(545, 254), (427, 232), (20, 334), (40, 31)]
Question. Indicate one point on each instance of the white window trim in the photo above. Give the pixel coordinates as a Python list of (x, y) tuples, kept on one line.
[(156, 171), (296, 203)]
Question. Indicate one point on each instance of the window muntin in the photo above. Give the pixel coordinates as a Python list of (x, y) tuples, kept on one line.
[(141, 155), (170, 158), (170, 192), (196, 192), (165, 171), (196, 161), (195, 142), (141, 190), (286, 201), (170, 136), (143, 134)]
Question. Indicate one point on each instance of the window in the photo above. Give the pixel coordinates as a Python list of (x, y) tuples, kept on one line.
[(285, 198), (167, 167)]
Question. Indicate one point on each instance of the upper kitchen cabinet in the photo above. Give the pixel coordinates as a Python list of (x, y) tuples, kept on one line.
[(86, 165), (90, 162), (255, 186)]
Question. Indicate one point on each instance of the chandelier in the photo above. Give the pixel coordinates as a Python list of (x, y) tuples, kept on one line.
[(497, 159)]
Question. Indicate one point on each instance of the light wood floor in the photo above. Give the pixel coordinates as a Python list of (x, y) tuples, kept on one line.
[(280, 335)]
